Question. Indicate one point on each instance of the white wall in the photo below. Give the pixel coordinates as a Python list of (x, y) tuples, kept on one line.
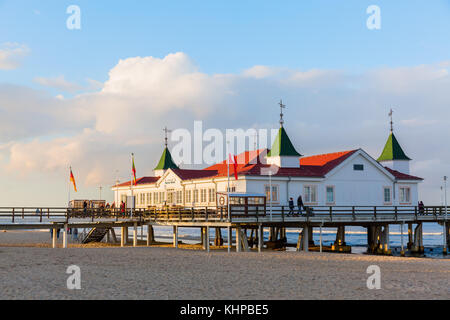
[(352, 188)]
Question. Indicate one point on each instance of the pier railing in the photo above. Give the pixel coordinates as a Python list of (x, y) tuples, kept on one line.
[(237, 213)]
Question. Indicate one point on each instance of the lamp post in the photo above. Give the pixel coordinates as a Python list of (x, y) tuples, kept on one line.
[(445, 196), (445, 222), (228, 199), (270, 193)]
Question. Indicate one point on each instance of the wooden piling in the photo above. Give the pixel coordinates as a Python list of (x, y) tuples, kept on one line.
[(175, 236), (238, 239), (54, 238), (418, 239), (230, 238), (306, 238), (218, 240), (300, 241), (135, 235), (150, 234), (207, 238), (311, 236), (244, 242), (410, 236), (260, 238), (122, 237), (65, 236)]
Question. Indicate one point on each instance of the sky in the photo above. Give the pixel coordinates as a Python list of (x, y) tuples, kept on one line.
[(89, 97)]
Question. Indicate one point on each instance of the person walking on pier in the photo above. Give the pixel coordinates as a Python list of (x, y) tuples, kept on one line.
[(421, 208), (300, 204), (122, 208), (291, 206), (85, 207)]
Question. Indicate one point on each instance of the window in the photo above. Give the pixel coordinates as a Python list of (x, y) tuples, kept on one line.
[(188, 196), (149, 198), (358, 167), (170, 197), (387, 195), (231, 189), (330, 195), (203, 195), (273, 195), (162, 197), (405, 195), (211, 195), (155, 198), (179, 197), (267, 192), (310, 193), (195, 195)]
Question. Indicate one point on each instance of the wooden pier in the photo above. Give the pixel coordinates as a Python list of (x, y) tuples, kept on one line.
[(377, 221)]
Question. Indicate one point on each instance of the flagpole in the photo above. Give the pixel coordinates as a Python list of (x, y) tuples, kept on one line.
[(68, 203), (228, 198), (131, 186)]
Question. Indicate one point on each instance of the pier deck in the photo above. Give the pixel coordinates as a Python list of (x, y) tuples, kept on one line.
[(277, 218)]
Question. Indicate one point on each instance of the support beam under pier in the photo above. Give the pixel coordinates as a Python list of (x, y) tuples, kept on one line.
[(306, 238), (175, 236)]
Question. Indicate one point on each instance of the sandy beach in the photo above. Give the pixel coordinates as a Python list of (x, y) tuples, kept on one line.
[(30, 270)]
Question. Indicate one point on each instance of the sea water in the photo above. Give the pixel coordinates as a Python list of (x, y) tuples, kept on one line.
[(356, 237)]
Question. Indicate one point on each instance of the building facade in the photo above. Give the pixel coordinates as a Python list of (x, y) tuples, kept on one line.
[(347, 178)]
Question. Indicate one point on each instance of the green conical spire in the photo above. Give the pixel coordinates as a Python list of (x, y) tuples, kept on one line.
[(392, 150), (283, 145), (166, 161)]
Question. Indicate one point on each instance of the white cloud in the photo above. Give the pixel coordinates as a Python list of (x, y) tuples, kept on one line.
[(11, 55), (327, 110), (59, 83), (260, 72)]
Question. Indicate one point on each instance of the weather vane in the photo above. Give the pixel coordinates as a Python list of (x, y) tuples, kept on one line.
[(282, 106), (392, 122), (166, 138)]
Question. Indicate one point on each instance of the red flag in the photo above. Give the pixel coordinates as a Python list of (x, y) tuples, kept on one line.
[(133, 169), (72, 179), (234, 165)]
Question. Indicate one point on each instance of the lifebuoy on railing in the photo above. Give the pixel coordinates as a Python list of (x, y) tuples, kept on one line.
[(222, 200)]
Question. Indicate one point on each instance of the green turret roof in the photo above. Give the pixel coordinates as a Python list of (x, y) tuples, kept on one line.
[(392, 150), (282, 146), (166, 161)]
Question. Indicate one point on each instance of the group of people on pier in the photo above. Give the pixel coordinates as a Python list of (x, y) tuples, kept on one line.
[(300, 205)]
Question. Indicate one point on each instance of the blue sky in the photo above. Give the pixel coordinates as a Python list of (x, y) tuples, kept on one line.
[(67, 99), (223, 36)]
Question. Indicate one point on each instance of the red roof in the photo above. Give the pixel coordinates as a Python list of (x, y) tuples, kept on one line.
[(249, 164), (315, 166), (324, 159), (186, 174), (139, 181), (402, 176)]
